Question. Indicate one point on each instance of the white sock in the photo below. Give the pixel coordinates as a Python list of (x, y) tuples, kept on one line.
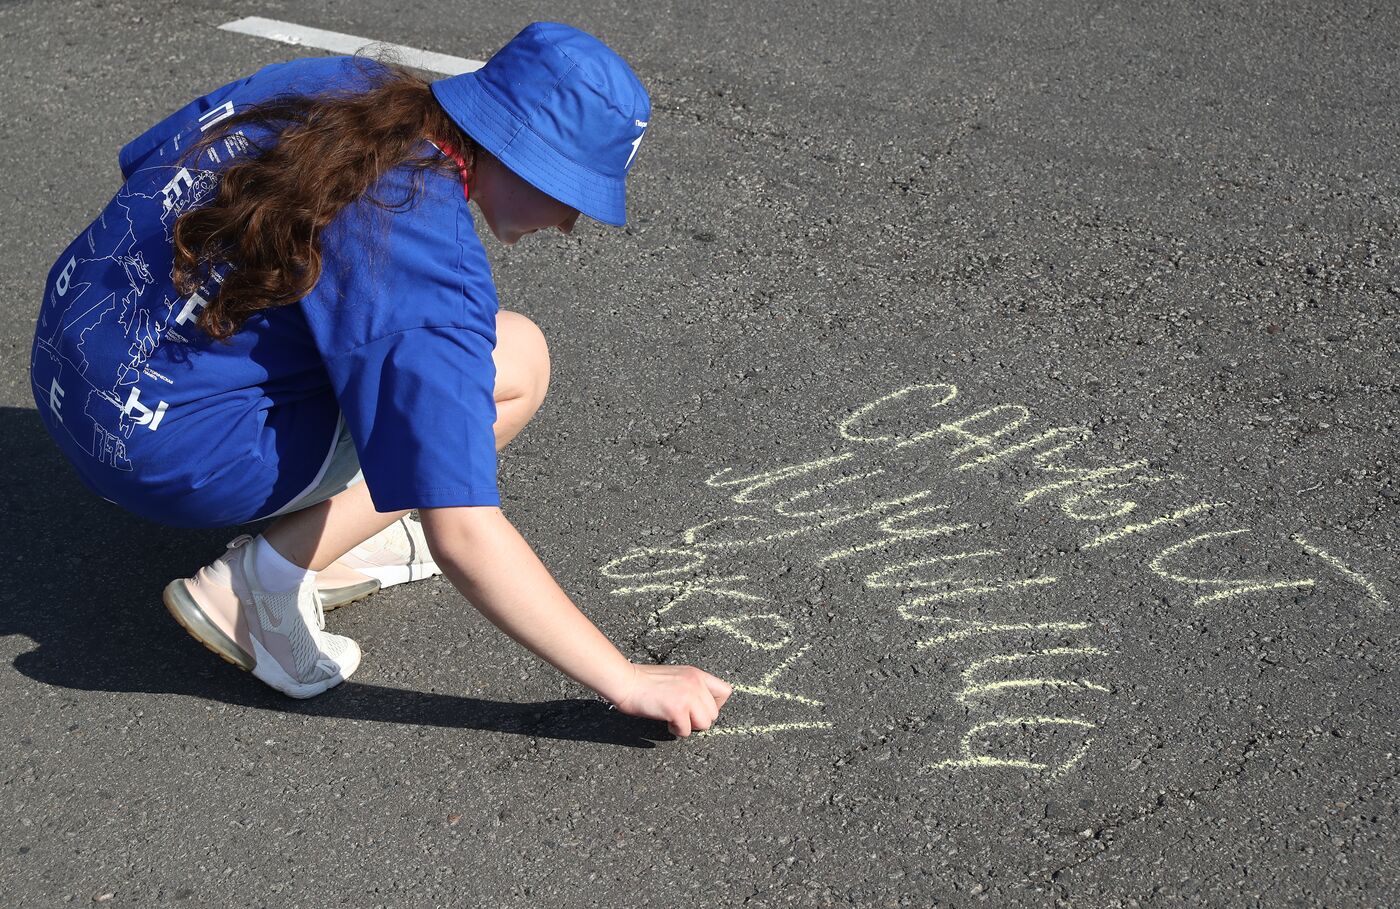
[(275, 573)]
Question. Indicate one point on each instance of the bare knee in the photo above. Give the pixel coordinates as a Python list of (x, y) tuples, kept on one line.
[(522, 360)]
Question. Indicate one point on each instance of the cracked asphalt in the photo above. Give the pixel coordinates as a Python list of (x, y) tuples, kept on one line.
[(1002, 396)]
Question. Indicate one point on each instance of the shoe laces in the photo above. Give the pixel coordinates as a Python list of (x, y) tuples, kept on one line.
[(320, 607)]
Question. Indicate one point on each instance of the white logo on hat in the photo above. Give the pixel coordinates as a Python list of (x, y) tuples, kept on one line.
[(636, 143)]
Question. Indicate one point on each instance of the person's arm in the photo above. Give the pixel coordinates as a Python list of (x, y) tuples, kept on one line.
[(493, 566)]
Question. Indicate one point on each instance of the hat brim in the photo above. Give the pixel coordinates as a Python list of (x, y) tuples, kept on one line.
[(472, 107)]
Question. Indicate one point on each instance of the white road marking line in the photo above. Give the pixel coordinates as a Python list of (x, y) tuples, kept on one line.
[(302, 36)]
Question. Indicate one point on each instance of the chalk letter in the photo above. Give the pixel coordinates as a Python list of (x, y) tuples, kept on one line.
[(947, 391), (689, 587), (896, 534), (1172, 518), (1359, 579), (764, 688), (735, 626), (970, 760), (1229, 587), (960, 587), (758, 481), (693, 560), (973, 689), (781, 507)]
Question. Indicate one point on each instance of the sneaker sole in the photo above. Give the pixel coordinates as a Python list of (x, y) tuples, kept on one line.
[(192, 618), (389, 575), (271, 672), (336, 597)]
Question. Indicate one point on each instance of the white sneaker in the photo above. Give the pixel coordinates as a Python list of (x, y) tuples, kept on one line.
[(397, 554), (339, 585), (294, 653), (279, 637)]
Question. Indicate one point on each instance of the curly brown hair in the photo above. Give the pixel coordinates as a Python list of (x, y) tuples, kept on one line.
[(327, 151)]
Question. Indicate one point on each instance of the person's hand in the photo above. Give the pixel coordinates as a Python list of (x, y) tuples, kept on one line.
[(685, 697)]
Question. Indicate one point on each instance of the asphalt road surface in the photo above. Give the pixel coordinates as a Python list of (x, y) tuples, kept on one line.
[(1001, 395)]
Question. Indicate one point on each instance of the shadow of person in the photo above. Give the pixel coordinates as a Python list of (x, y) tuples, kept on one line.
[(85, 587)]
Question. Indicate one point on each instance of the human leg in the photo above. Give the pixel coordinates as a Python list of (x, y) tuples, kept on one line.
[(522, 373), (314, 537), (399, 553)]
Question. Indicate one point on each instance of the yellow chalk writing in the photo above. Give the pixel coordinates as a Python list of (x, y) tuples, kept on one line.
[(1229, 587), (961, 587), (969, 759), (1172, 518), (898, 534), (694, 536), (948, 392), (1070, 505), (1078, 433), (736, 625), (971, 439), (976, 627), (1086, 476), (904, 533), (783, 506), (1355, 577), (768, 729), (693, 561), (973, 689), (692, 587), (764, 687), (756, 482)]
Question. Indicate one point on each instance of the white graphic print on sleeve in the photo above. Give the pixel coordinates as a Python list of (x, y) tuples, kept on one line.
[(215, 115)]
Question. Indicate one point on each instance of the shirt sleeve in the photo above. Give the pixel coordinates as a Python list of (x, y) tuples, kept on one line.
[(404, 317), (420, 405)]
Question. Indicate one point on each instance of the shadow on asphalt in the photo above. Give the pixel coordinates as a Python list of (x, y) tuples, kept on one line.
[(85, 587)]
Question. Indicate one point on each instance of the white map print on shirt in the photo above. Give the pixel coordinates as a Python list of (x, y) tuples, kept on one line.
[(64, 333)]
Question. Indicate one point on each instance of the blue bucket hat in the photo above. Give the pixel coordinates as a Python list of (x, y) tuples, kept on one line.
[(560, 109)]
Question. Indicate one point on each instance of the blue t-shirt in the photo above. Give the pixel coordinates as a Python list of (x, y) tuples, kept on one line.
[(182, 429)]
